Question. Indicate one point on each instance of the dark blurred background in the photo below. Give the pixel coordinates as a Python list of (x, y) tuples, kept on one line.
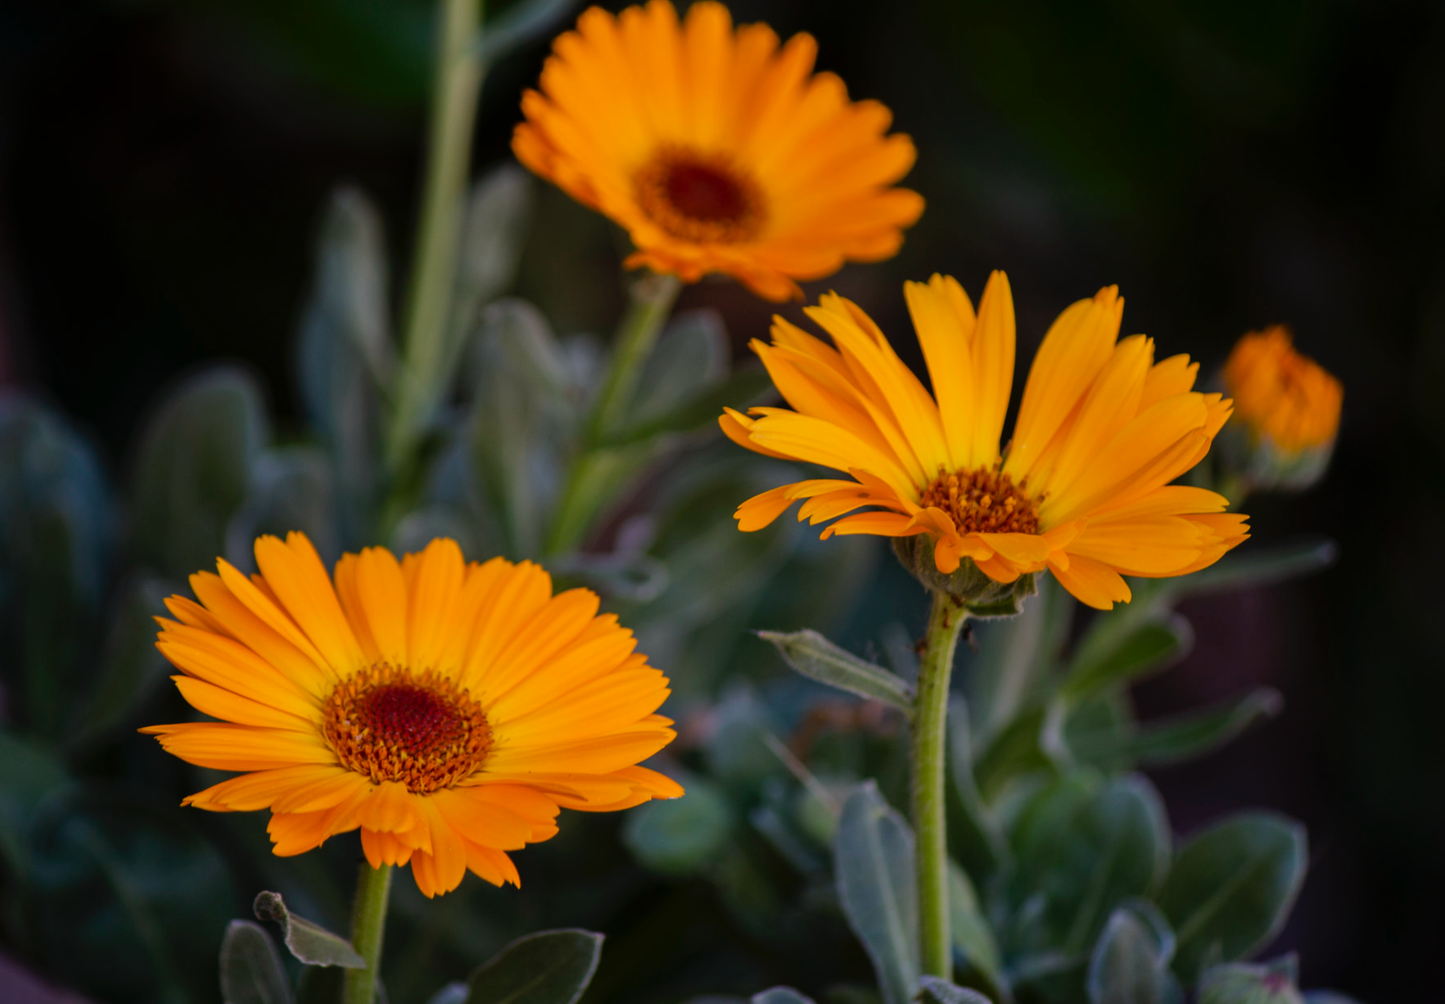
[(163, 167)]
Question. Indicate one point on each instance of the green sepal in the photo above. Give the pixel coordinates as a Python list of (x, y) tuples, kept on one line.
[(980, 595), (307, 941)]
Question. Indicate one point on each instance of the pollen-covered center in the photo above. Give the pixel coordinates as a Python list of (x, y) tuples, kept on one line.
[(393, 725), (699, 197), (983, 501)]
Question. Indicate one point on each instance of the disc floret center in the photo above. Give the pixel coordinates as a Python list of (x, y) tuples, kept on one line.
[(699, 197), (419, 729), (983, 500)]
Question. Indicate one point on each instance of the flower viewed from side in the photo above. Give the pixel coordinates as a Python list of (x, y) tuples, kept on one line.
[(718, 149), (1287, 412), (1083, 489), (446, 709)]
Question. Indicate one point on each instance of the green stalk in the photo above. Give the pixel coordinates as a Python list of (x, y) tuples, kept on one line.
[(457, 84), (929, 742), (652, 300), (586, 489), (368, 924)]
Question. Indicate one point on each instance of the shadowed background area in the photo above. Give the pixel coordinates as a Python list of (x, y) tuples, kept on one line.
[(164, 166)]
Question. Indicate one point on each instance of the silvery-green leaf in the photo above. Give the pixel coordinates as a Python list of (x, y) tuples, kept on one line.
[(193, 470), (1130, 961), (130, 666), (681, 835), (780, 995), (1231, 887), (1183, 737), (291, 488), (55, 544), (308, 941), (345, 354), (498, 210), (1151, 647), (1240, 983), (550, 967), (973, 936), (690, 356), (819, 659), (251, 970), (933, 990), (975, 837), (1251, 567), (874, 865), (452, 993)]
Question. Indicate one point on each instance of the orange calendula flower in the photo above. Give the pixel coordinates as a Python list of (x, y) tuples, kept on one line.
[(1081, 490), (1282, 395), (445, 709), (717, 148)]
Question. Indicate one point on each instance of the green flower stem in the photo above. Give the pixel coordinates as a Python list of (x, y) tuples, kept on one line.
[(652, 300), (457, 84), (368, 924), (930, 722), (587, 490)]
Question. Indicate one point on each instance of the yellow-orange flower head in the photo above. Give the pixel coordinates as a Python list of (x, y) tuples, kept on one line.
[(717, 148), (1081, 490), (1282, 395), (448, 710)]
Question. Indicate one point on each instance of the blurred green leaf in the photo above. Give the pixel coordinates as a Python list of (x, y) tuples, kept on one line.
[(307, 941), (522, 24), (290, 489), (251, 970), (452, 993), (933, 990), (682, 835), (130, 665), (1014, 657), (29, 774), (1013, 751), (690, 356), (193, 470), (499, 209), (523, 419), (1231, 888), (344, 349), (1183, 737), (1252, 567), (973, 936), (550, 967), (873, 862), (701, 412), (819, 659), (1150, 647), (975, 837), (1130, 961), (1238, 983), (1111, 844), (780, 995), (55, 536)]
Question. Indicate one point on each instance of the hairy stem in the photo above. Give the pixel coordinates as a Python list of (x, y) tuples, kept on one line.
[(368, 924), (930, 721)]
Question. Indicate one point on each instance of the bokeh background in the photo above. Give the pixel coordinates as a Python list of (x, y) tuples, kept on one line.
[(164, 167)]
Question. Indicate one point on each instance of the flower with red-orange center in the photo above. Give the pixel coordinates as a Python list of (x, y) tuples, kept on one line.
[(446, 710), (718, 149), (1082, 489)]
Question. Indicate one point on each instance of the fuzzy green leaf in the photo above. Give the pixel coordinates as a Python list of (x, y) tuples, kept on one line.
[(1130, 961), (550, 967), (251, 970), (819, 659), (873, 862), (1231, 888), (1150, 647), (308, 941)]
